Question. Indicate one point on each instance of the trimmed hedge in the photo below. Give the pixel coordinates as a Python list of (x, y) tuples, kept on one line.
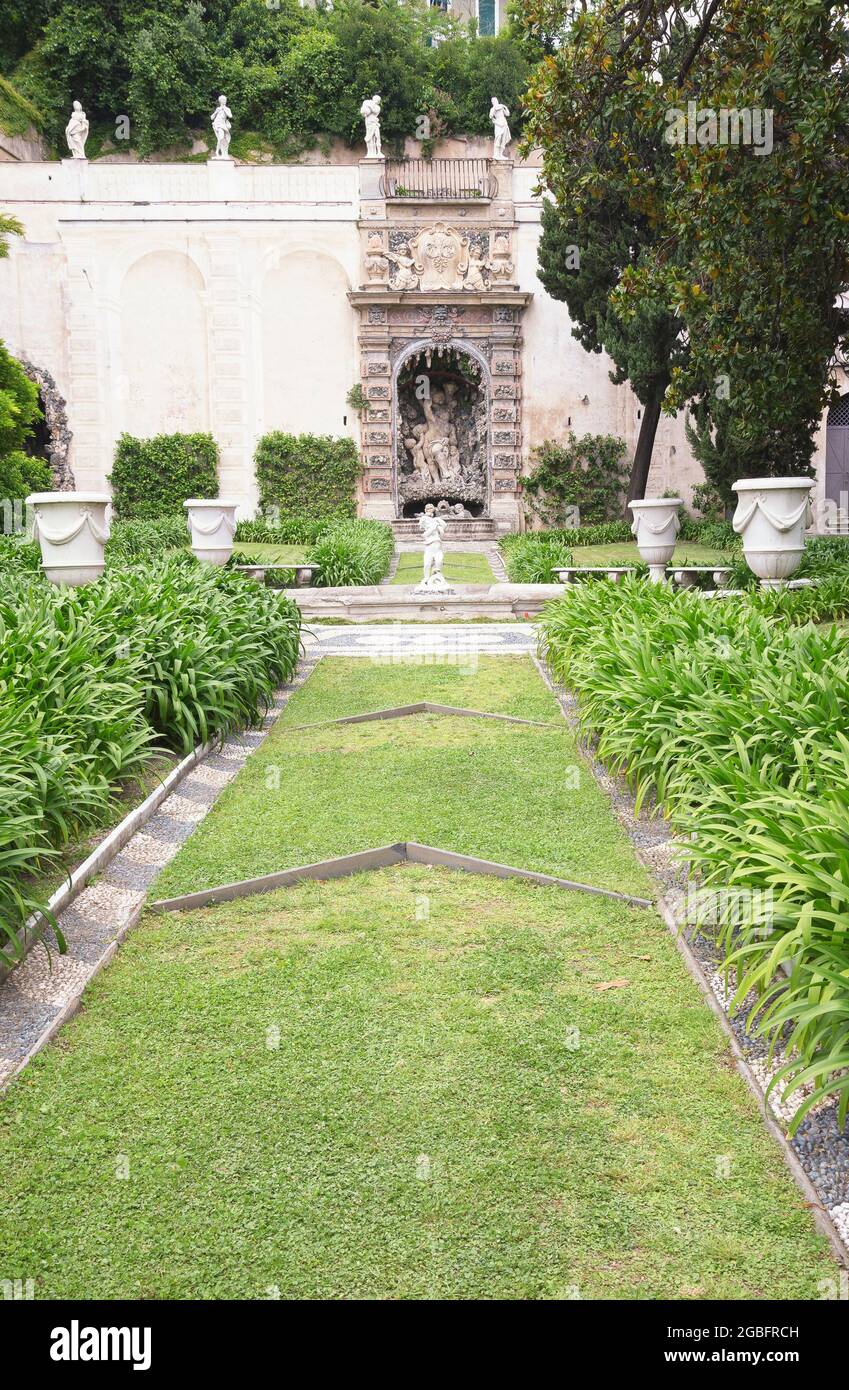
[(310, 476), (94, 680), (152, 478), (353, 552)]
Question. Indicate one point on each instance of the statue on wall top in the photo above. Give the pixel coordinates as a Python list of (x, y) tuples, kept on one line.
[(498, 114), (370, 112), (76, 131), (222, 124)]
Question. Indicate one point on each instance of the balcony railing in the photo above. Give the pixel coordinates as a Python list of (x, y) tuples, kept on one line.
[(438, 179)]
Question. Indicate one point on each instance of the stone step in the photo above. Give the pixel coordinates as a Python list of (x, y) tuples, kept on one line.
[(481, 529)]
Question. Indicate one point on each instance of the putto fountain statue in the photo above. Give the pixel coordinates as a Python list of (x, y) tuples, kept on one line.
[(76, 131), (432, 527)]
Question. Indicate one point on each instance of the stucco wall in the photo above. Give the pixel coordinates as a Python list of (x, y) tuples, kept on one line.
[(214, 296)]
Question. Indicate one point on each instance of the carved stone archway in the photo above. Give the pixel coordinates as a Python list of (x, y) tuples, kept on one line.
[(455, 380), (394, 325)]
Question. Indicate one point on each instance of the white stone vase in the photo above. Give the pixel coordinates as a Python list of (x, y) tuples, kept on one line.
[(771, 516), (656, 528), (72, 530), (212, 523)]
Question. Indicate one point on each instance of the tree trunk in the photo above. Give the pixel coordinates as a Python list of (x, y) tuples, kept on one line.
[(643, 452)]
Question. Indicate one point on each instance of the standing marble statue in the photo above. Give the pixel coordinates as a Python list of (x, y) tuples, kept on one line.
[(370, 112), (76, 131), (498, 114), (222, 124), (433, 527)]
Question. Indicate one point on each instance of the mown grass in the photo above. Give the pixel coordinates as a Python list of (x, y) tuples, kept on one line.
[(516, 794), (461, 567), (624, 554), (412, 1084), (402, 1085)]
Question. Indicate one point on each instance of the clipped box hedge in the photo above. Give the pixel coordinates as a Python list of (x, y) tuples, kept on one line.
[(152, 478)]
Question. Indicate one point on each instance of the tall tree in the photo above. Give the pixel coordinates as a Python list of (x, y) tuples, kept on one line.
[(582, 256), (748, 244)]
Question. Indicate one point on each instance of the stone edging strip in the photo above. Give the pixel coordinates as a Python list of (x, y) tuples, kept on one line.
[(422, 707), (101, 857), (41, 992), (402, 851), (819, 1212)]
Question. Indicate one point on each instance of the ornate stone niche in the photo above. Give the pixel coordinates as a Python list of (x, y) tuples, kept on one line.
[(440, 336)]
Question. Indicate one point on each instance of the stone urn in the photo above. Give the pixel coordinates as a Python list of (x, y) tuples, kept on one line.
[(72, 530), (212, 523), (771, 516), (656, 528)]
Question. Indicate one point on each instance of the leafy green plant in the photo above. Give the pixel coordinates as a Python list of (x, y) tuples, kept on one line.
[(733, 716), (93, 681), (131, 541), (307, 475), (587, 473), (19, 412), (284, 530), (152, 478), (353, 552)]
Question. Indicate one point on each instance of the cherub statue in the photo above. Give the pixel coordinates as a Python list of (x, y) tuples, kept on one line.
[(475, 271), (404, 276)]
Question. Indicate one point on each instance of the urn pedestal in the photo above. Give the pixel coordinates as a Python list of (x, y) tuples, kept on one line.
[(72, 531), (212, 524), (656, 528), (772, 515)]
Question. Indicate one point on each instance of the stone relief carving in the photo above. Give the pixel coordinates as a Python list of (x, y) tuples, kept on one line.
[(442, 430), (376, 265)]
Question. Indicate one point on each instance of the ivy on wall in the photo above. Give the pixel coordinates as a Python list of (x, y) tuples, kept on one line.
[(311, 475), (154, 477)]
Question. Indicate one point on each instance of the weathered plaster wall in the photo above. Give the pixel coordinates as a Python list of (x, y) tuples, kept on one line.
[(214, 296)]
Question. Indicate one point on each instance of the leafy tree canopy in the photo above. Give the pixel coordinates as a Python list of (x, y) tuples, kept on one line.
[(743, 242), (293, 74)]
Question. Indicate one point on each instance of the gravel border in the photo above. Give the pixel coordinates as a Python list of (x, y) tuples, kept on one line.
[(818, 1154)]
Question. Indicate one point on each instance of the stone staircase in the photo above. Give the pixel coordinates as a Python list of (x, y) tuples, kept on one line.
[(480, 529)]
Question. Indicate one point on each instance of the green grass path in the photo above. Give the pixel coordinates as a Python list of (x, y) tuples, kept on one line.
[(461, 567), (408, 1084)]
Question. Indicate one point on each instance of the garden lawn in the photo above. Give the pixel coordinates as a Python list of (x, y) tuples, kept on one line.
[(408, 1084), (627, 554), (414, 1083), (461, 567), (517, 794)]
